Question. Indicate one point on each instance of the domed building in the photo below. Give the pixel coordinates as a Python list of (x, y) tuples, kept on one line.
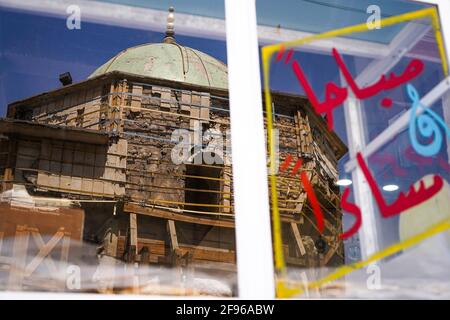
[(169, 61), (109, 145)]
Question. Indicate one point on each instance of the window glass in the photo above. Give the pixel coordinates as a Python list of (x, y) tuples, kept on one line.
[(115, 163), (361, 188)]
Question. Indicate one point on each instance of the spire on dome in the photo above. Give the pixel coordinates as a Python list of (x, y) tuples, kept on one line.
[(170, 33)]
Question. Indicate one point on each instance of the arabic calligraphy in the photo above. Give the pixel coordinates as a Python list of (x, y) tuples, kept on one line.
[(336, 95), (403, 201), (427, 124), (401, 204)]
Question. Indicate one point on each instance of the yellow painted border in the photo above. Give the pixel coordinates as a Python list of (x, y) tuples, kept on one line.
[(267, 53), (284, 291)]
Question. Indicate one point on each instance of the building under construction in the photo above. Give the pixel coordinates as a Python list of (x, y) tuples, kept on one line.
[(99, 153)]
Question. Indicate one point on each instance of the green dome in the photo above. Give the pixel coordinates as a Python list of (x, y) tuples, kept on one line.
[(170, 62)]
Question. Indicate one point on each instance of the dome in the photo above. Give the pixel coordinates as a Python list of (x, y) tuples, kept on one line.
[(169, 61)]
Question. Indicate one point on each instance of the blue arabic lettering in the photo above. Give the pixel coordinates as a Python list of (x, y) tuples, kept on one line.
[(427, 125)]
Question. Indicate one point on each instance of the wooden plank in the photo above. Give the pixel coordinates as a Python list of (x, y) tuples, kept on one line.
[(112, 161), (122, 147), (166, 95), (137, 95), (133, 208), (186, 102), (53, 180), (298, 238), (65, 182), (158, 249), (205, 102), (297, 132), (301, 198), (226, 188), (309, 137), (20, 248), (108, 188), (98, 186), (65, 248), (172, 235), (8, 175), (175, 254), (43, 179), (7, 178), (44, 251), (133, 234), (86, 185), (195, 114), (43, 131), (76, 184), (111, 240)]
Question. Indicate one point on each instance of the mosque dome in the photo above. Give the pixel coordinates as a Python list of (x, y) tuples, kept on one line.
[(169, 61)]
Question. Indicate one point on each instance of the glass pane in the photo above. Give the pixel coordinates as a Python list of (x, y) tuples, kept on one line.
[(116, 173), (360, 197)]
